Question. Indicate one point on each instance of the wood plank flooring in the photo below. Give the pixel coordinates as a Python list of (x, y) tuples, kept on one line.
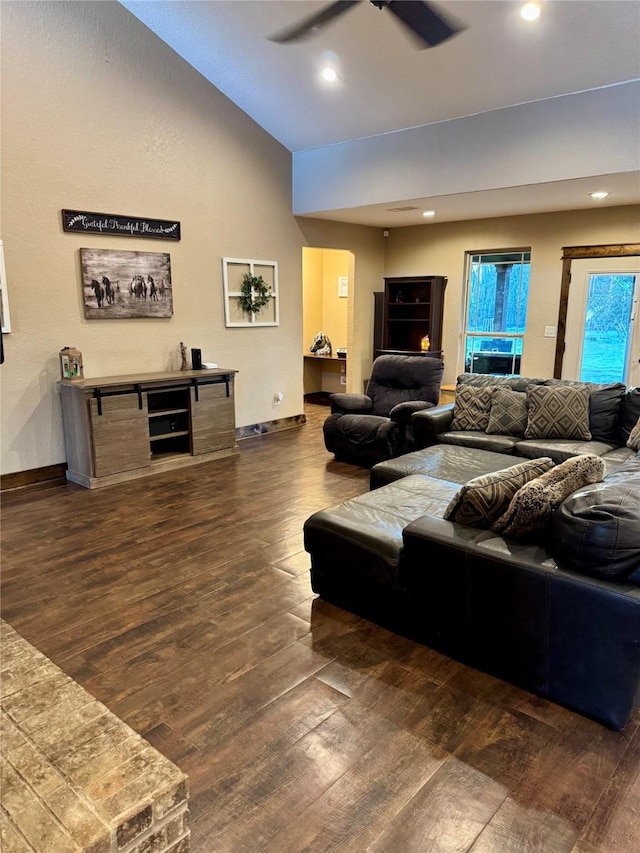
[(182, 602)]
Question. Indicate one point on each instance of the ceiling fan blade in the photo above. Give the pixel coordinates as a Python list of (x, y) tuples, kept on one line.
[(311, 25), (430, 27)]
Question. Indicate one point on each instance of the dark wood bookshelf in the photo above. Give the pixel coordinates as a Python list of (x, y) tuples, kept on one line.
[(412, 308)]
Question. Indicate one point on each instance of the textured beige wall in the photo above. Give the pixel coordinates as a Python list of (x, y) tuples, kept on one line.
[(322, 308), (311, 296), (98, 114), (440, 250), (334, 308)]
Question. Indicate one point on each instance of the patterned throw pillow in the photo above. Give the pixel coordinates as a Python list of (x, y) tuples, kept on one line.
[(471, 409), (558, 411), (533, 505), (605, 404), (509, 412), (634, 437), (482, 500)]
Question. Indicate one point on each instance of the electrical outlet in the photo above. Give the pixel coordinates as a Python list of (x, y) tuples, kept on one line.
[(549, 331), (278, 398)]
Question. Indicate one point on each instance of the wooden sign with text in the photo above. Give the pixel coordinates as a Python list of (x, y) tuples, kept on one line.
[(123, 226)]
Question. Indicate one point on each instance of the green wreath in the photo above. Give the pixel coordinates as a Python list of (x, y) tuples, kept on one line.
[(254, 293)]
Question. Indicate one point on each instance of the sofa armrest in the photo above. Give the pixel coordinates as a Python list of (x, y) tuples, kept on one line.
[(403, 411), (428, 423), (345, 404)]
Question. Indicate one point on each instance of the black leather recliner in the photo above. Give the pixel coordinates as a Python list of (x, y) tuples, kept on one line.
[(368, 428)]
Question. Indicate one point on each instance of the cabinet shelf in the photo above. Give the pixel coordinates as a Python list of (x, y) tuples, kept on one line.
[(173, 434), (169, 446), (169, 419), (163, 412), (166, 455)]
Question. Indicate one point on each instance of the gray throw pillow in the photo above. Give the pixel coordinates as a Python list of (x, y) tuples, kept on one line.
[(534, 504), (471, 408), (558, 411), (509, 412), (484, 499), (634, 437)]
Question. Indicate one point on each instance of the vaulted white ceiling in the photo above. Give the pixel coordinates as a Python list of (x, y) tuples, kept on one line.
[(389, 86)]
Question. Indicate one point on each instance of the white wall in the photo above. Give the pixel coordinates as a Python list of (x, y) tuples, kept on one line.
[(543, 141)]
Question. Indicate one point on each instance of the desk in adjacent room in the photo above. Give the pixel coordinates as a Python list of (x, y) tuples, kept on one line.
[(323, 375)]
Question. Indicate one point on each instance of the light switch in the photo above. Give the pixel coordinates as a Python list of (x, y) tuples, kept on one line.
[(549, 331)]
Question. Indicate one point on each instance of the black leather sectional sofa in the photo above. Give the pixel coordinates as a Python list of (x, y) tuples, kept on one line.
[(558, 614)]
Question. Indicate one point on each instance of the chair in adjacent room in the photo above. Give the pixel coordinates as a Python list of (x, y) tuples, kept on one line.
[(368, 428)]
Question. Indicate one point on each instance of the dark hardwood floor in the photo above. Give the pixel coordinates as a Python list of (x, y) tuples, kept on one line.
[(182, 601)]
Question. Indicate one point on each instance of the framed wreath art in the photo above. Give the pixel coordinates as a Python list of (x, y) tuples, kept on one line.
[(250, 292)]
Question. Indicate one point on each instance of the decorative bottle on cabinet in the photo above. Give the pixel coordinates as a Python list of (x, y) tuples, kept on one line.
[(415, 316)]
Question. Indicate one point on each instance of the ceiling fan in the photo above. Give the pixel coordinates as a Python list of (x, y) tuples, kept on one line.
[(420, 17)]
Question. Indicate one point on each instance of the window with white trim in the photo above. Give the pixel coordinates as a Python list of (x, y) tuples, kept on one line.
[(497, 289)]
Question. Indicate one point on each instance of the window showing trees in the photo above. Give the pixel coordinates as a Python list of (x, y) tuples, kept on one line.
[(497, 293)]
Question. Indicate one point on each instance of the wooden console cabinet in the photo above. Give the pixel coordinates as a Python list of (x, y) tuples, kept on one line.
[(120, 427)]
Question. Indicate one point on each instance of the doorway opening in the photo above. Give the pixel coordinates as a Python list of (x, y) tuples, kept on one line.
[(327, 291)]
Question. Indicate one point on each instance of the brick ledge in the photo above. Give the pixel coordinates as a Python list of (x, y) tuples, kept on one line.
[(76, 779)]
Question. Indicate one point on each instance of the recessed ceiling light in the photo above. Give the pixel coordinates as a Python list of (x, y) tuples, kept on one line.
[(530, 11), (428, 213), (329, 74), (598, 196)]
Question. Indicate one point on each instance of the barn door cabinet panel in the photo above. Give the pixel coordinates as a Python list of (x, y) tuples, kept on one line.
[(120, 434), (213, 425), (118, 428)]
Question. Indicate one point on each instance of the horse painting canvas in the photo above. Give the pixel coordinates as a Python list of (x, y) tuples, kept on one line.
[(120, 285)]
